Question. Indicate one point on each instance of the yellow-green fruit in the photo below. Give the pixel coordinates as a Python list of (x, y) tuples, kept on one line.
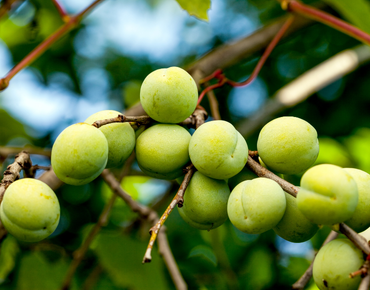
[(288, 145), (79, 154), (256, 206), (333, 264), (360, 220), (328, 194), (169, 95), (162, 151), (120, 137), (294, 226), (218, 150), (205, 202), (30, 210)]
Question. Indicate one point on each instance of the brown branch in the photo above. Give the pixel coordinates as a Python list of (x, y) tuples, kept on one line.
[(142, 120), (358, 240), (261, 171), (362, 271), (365, 282), (5, 151), (305, 278), (22, 161), (61, 11), (152, 217), (177, 200), (215, 112), (196, 119)]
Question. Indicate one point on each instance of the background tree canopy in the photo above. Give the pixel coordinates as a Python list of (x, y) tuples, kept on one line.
[(101, 64)]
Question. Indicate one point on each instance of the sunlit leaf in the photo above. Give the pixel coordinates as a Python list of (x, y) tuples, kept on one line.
[(355, 11), (198, 8)]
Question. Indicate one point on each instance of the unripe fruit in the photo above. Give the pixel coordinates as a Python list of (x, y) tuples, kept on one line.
[(328, 194), (205, 202), (30, 210), (288, 145), (333, 264), (120, 137), (256, 206), (294, 226), (79, 154), (169, 95), (162, 151), (218, 150), (360, 220)]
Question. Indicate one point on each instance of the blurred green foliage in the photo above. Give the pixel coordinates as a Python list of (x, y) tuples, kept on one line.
[(221, 259)]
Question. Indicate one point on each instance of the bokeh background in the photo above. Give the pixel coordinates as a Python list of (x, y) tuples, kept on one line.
[(100, 65)]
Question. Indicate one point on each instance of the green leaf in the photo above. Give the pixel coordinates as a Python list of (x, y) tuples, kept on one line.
[(121, 256), (198, 8), (9, 250), (355, 11), (36, 272), (204, 252)]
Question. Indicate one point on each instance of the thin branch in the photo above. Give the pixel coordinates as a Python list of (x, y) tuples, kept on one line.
[(196, 119), (215, 112), (325, 18), (358, 240), (365, 282), (22, 161), (62, 12), (72, 23), (177, 200), (305, 278), (142, 120), (305, 85), (261, 171)]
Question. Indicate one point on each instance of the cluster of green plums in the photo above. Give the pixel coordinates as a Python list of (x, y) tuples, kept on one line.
[(328, 194)]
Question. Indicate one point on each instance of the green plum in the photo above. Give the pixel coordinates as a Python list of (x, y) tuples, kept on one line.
[(333, 264), (162, 151), (328, 194), (169, 95), (288, 145), (218, 150), (360, 220), (256, 206), (79, 154), (120, 137), (294, 226), (205, 202), (30, 210)]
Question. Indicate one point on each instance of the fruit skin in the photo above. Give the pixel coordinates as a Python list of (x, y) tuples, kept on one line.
[(360, 220), (328, 194), (79, 154), (120, 137), (169, 95), (218, 150), (30, 210), (294, 226), (288, 145), (256, 206), (333, 264), (205, 202), (162, 151)]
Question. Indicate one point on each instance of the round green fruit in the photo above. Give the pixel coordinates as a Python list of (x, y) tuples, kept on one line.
[(333, 264), (162, 151), (218, 150), (360, 220), (30, 210), (294, 226), (288, 145), (328, 194), (79, 154), (169, 95), (205, 202), (256, 206), (120, 137)]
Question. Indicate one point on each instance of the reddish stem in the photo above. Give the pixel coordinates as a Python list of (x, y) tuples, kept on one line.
[(332, 21), (43, 46), (61, 11)]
